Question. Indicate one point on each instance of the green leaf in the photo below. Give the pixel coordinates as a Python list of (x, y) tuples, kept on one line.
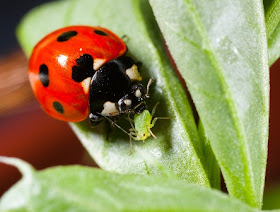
[(220, 49), (272, 15), (272, 18), (212, 168), (177, 151), (274, 46), (76, 188)]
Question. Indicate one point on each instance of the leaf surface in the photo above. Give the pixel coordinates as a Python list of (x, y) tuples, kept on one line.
[(220, 49), (82, 189), (274, 46), (272, 15), (272, 19), (212, 167)]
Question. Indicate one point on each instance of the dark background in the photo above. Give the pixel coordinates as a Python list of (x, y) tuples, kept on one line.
[(11, 13)]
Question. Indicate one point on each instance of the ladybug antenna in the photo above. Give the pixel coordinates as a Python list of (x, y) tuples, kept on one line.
[(148, 87)]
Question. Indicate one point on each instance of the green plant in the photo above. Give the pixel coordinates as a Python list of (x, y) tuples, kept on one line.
[(220, 48)]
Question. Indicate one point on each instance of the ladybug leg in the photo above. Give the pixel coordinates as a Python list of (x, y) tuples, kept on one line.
[(115, 120), (118, 126), (109, 130)]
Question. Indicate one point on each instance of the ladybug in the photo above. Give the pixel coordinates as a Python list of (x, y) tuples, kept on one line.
[(82, 71)]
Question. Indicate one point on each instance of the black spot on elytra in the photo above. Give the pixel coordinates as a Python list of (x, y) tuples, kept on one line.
[(83, 69), (44, 75), (99, 32), (58, 107), (66, 36)]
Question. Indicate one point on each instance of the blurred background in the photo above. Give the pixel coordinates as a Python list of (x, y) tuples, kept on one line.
[(28, 133)]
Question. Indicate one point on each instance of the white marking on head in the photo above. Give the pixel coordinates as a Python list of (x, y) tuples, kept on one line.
[(81, 49), (97, 63), (128, 102), (85, 84), (109, 108), (138, 93), (62, 59), (133, 73)]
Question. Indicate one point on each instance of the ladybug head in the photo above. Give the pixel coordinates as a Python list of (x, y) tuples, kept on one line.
[(134, 100)]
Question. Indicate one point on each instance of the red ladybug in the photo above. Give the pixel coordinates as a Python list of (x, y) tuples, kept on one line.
[(78, 71)]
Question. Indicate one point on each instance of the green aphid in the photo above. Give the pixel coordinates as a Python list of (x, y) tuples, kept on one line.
[(143, 122), (142, 126)]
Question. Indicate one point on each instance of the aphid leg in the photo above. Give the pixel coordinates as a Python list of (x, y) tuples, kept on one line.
[(152, 134), (155, 119), (133, 134), (132, 130), (130, 146), (154, 109), (130, 122)]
